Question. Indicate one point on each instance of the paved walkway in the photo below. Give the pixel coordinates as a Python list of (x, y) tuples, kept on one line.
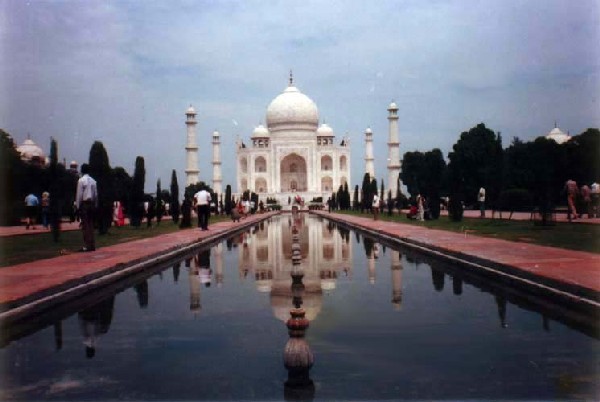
[(566, 270), (26, 287), (522, 216)]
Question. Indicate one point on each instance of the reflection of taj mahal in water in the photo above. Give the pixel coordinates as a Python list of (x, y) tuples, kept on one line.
[(267, 257)]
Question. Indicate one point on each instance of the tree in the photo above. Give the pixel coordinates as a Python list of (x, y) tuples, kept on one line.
[(122, 183), (366, 193), (11, 170), (475, 161), (434, 170), (228, 202), (340, 197), (100, 170), (355, 198), (373, 193), (583, 158), (159, 202), (346, 196), (137, 192), (56, 193), (175, 210)]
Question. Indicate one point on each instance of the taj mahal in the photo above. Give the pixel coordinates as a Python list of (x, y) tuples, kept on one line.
[(294, 155)]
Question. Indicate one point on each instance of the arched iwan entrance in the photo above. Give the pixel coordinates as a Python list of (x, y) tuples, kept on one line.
[(293, 173)]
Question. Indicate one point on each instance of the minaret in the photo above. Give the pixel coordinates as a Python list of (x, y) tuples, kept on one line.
[(216, 162), (369, 166), (396, 280), (393, 150), (191, 148)]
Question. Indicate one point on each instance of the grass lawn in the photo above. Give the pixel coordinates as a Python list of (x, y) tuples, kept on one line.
[(580, 236), (26, 248)]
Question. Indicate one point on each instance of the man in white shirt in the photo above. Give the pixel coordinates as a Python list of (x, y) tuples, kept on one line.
[(375, 206), (481, 199), (202, 200), (87, 202)]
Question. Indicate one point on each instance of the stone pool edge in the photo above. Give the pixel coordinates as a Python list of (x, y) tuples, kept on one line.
[(537, 285), (38, 301)]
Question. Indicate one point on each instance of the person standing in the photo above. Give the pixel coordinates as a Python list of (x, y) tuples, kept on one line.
[(31, 206), (202, 200), (87, 202), (481, 199), (420, 207), (572, 190), (45, 209), (375, 206), (595, 190), (586, 197)]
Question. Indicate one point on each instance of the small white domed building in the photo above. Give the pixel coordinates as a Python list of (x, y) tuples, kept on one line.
[(32, 153), (557, 135), (292, 155)]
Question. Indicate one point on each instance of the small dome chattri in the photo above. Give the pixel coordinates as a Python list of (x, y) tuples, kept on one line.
[(190, 110), (260, 131), (393, 106), (368, 131), (324, 131)]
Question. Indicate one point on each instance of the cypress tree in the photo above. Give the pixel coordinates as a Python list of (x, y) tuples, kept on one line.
[(174, 197), (137, 196), (100, 170), (159, 202), (366, 193), (55, 192), (228, 203), (355, 201), (346, 196)]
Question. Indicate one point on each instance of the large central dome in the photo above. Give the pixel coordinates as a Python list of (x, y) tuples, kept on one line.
[(292, 110)]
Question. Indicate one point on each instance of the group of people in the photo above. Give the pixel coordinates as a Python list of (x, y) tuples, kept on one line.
[(588, 198), (32, 203), (420, 209)]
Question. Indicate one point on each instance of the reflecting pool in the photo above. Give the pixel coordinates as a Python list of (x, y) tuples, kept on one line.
[(384, 323)]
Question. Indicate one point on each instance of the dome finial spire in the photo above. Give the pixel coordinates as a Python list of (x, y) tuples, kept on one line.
[(291, 78)]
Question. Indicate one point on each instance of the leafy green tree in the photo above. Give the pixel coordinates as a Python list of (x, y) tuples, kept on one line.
[(11, 170), (175, 207), (100, 170), (136, 210), (476, 161), (583, 156)]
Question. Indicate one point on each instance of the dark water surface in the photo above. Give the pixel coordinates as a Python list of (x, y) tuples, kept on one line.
[(384, 324)]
